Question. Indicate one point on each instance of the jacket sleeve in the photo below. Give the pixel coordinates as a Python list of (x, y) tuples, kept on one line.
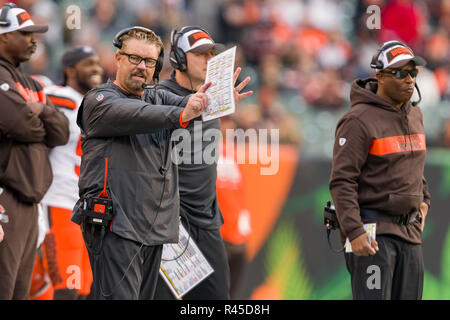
[(17, 121), (106, 114), (170, 98), (350, 151), (426, 193), (56, 126)]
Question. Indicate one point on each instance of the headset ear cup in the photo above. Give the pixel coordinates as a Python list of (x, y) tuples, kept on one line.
[(4, 22), (173, 60), (379, 65), (117, 41), (159, 65), (181, 60), (177, 56), (375, 63)]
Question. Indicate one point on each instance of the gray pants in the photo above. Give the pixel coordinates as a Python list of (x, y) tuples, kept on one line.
[(122, 269), (395, 272)]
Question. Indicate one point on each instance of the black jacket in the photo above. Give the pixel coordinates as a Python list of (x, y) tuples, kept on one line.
[(197, 179), (134, 134)]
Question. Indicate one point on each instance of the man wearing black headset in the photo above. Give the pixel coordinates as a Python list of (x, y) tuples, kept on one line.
[(191, 48), (126, 169), (377, 177)]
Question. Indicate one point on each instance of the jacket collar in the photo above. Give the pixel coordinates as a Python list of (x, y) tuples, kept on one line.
[(172, 84), (3, 59), (364, 91), (128, 94)]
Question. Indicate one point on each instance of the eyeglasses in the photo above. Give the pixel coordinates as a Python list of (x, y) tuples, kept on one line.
[(136, 60), (401, 74)]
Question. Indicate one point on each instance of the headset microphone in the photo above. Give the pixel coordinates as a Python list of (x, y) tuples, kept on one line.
[(148, 86), (415, 103)]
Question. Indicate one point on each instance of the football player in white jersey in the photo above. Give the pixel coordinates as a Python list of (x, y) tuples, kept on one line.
[(63, 251)]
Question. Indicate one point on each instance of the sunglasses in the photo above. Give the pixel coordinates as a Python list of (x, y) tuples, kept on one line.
[(401, 74)]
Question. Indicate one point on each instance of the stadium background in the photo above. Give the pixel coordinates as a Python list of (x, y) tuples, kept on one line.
[(302, 56)]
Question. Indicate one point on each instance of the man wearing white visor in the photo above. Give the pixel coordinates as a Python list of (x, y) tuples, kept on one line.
[(377, 179), (191, 48)]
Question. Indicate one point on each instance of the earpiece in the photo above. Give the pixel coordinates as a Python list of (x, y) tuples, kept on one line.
[(415, 103)]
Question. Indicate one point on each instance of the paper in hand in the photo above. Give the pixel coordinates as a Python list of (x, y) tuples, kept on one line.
[(370, 228), (220, 94)]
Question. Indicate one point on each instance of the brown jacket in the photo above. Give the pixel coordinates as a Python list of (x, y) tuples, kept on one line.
[(378, 162), (25, 138)]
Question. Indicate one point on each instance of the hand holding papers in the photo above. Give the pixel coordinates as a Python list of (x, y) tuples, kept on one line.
[(222, 95), (371, 231)]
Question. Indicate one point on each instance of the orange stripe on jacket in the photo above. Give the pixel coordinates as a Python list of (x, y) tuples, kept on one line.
[(22, 91), (397, 144), (183, 124), (63, 102), (42, 97), (30, 95)]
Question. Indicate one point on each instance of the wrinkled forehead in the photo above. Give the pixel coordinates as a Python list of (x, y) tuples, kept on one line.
[(142, 48)]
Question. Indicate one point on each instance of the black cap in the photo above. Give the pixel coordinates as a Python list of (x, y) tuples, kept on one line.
[(75, 54)]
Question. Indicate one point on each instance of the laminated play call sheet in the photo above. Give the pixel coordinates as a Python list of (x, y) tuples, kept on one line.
[(183, 267), (220, 94)]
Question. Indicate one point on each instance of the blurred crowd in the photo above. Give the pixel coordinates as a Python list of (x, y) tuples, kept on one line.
[(302, 55)]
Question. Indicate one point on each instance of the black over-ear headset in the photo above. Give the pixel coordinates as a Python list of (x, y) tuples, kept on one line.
[(177, 56), (4, 22), (117, 42)]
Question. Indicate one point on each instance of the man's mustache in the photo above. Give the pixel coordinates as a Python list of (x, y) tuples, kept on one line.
[(138, 74)]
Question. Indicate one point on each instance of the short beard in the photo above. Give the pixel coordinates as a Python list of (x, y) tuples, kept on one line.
[(21, 59), (83, 85), (133, 85)]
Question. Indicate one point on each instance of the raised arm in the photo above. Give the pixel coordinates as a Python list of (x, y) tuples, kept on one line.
[(103, 113)]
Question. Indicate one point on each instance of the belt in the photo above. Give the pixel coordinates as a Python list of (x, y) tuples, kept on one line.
[(404, 219)]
